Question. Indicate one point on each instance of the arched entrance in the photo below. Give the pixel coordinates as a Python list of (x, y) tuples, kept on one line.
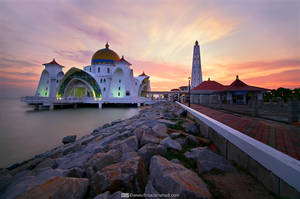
[(78, 83)]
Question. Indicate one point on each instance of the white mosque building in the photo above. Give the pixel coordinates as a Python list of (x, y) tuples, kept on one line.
[(109, 79)]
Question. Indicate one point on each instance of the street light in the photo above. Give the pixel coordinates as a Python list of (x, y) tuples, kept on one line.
[(189, 91)]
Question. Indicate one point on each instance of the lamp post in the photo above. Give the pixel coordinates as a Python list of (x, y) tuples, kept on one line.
[(189, 91)]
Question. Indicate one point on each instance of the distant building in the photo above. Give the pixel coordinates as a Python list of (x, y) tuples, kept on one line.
[(109, 79), (238, 92), (196, 78)]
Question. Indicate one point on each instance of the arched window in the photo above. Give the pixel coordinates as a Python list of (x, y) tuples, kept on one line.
[(90, 69), (98, 69), (127, 93), (100, 80), (119, 81), (104, 89), (108, 70), (118, 93), (119, 88), (104, 80)]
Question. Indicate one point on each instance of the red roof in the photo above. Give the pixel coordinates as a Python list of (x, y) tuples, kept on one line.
[(209, 85), (53, 62), (124, 61), (238, 85)]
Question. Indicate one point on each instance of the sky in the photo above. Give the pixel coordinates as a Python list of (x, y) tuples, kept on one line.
[(259, 40)]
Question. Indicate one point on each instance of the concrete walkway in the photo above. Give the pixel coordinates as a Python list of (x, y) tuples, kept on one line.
[(283, 137)]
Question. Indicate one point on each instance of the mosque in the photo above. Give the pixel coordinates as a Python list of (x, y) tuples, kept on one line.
[(108, 80)]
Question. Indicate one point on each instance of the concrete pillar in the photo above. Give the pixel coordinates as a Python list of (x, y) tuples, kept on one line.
[(100, 105), (229, 98), (138, 104), (51, 107), (36, 107)]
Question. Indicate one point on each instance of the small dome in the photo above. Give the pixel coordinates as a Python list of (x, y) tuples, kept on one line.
[(105, 55)]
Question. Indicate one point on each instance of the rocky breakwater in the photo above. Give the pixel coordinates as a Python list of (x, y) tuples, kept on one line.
[(158, 151)]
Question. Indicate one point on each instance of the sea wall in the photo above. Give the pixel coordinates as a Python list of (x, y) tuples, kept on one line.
[(277, 171)]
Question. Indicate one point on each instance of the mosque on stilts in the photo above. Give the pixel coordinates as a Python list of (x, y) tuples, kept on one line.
[(108, 80)]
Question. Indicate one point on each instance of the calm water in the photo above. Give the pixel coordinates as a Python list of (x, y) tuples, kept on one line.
[(25, 133)]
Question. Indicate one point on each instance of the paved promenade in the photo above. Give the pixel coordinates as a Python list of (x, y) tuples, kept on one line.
[(283, 137)]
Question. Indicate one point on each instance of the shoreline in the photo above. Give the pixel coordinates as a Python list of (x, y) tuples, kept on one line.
[(144, 154)]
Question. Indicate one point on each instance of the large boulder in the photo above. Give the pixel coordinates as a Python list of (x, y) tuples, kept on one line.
[(59, 188), (208, 160), (160, 130), (101, 160), (191, 128), (128, 176), (73, 160), (26, 180), (190, 139), (149, 138), (168, 177), (69, 139), (48, 162), (122, 145), (149, 150), (171, 144)]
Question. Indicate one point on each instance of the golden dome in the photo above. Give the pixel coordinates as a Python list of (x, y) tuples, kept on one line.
[(105, 55)]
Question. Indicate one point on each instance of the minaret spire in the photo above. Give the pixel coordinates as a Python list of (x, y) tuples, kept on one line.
[(196, 68)]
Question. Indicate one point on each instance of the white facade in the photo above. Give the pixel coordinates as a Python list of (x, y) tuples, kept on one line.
[(50, 80), (196, 78), (109, 79)]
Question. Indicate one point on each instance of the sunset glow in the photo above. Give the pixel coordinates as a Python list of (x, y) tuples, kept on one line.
[(256, 39)]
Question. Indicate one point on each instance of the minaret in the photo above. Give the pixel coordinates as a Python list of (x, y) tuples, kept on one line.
[(196, 70)]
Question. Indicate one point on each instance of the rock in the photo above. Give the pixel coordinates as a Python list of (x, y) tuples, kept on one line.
[(130, 142), (190, 139), (105, 126), (149, 150), (87, 139), (175, 161), (175, 135), (116, 195), (180, 140), (104, 195), (26, 180), (149, 189), (168, 177), (139, 132), (101, 160), (129, 176), (116, 122), (181, 112), (148, 138), (208, 160), (26, 165), (191, 128), (160, 130), (73, 160), (171, 144), (48, 162), (167, 122), (5, 179), (128, 155), (71, 149), (69, 139), (75, 172), (59, 187)]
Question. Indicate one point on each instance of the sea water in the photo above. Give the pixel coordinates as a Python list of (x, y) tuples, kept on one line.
[(25, 132)]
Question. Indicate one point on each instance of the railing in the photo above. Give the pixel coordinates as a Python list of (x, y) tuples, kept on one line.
[(282, 165), (48, 100)]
